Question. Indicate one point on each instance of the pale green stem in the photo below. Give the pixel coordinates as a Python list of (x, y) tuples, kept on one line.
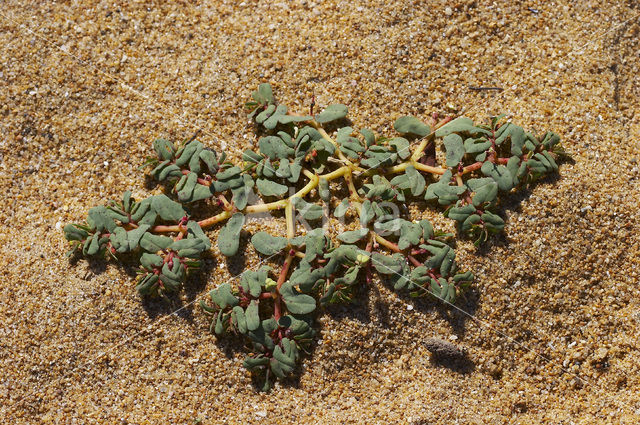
[(290, 220), (345, 171)]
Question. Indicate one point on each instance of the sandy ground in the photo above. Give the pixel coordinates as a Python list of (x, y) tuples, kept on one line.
[(85, 87)]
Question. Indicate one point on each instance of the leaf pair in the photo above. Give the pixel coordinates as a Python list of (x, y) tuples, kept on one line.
[(412, 181)]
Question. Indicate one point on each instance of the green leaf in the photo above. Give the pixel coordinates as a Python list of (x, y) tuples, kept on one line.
[(296, 302), (344, 254), (388, 227), (265, 114), (307, 210), (410, 234), (443, 290), (518, 139), (470, 222), (551, 160), (416, 180), (387, 265), (461, 213), (210, 159), (241, 196), (420, 275), (190, 247), (253, 281), (252, 316), (264, 94), (315, 244), (342, 208), (369, 136), (277, 368), (323, 190), (427, 229), (74, 233), (493, 221), (153, 243), (463, 277), (353, 236), (550, 140), (278, 117), (167, 209), (455, 149), (228, 173), (306, 278), (284, 170), (513, 165), (536, 166), (239, 319), (99, 219), (448, 263), (366, 212), (229, 237), (411, 125), (254, 364), (380, 188), (270, 188), (164, 148), (478, 145), (332, 113), (439, 255), (458, 125), (486, 190), (149, 261), (184, 188), (191, 151), (266, 244), (124, 241), (296, 169), (251, 156), (400, 280), (443, 191), (147, 284), (287, 354), (401, 147), (401, 181), (499, 173), (298, 327), (275, 148), (223, 297)]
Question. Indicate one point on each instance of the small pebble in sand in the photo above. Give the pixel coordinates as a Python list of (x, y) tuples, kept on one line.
[(443, 349)]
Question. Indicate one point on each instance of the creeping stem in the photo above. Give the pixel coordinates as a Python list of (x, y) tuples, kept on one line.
[(346, 171)]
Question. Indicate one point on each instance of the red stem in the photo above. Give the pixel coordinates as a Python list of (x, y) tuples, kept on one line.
[(414, 260), (277, 308), (369, 248), (477, 165), (285, 270), (226, 205), (393, 247), (203, 182)]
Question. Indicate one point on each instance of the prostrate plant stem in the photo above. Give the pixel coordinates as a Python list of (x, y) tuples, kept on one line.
[(305, 155)]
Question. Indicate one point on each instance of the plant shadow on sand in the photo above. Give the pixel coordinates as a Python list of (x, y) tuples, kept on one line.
[(375, 313), (513, 202), (173, 303)]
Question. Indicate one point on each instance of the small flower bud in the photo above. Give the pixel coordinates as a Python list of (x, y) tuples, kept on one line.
[(362, 259), (270, 284)]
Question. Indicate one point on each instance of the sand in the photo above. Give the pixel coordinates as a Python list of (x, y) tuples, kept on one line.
[(550, 327)]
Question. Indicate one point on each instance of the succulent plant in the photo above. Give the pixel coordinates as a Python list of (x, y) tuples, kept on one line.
[(296, 160)]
